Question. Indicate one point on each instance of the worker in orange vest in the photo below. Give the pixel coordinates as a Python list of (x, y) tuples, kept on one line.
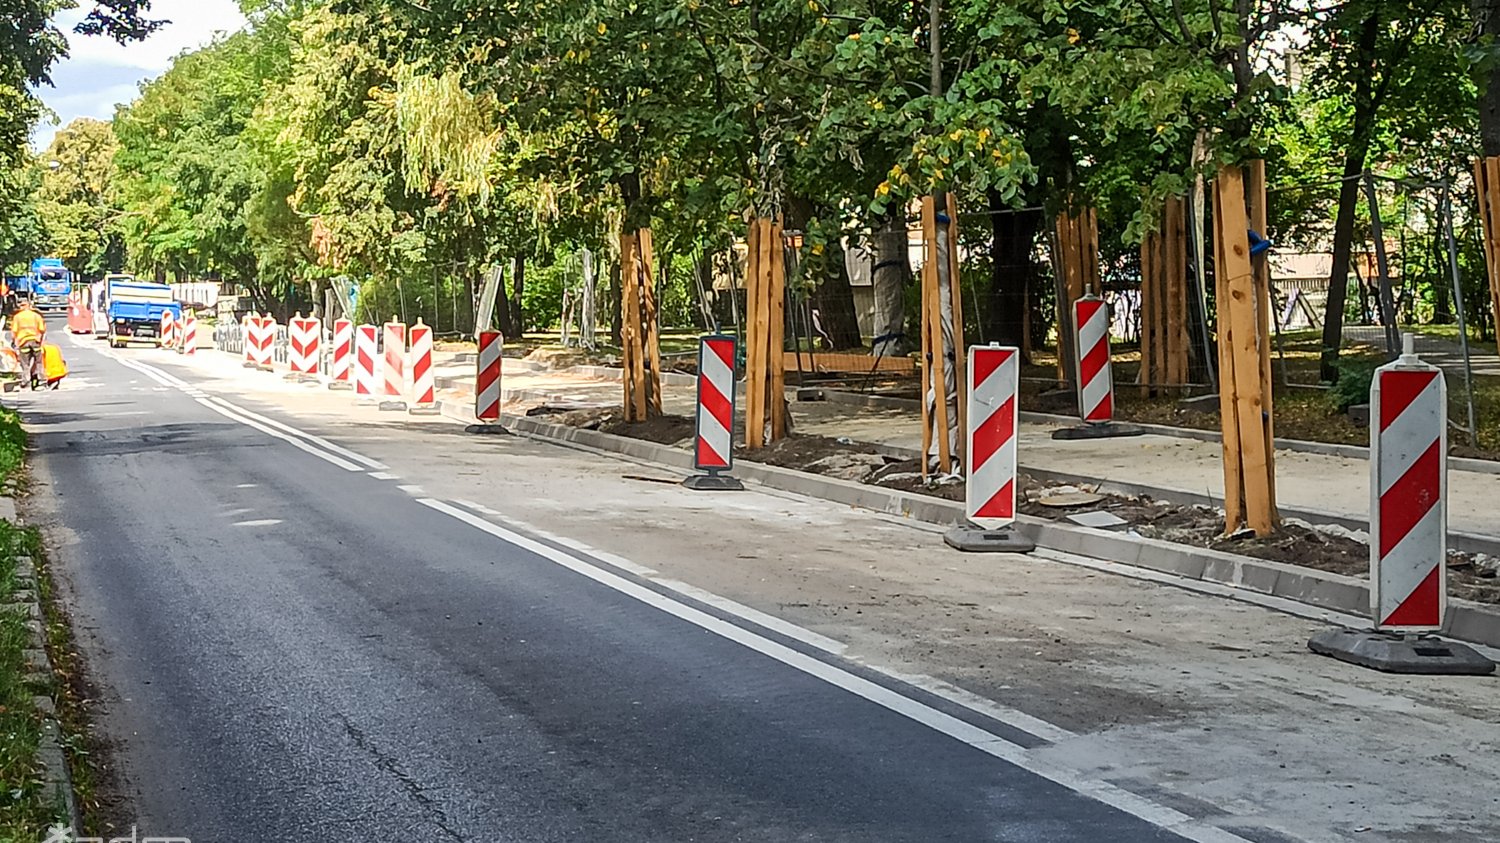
[(29, 329)]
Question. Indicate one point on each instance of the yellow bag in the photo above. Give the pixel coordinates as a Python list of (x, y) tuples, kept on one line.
[(52, 359)]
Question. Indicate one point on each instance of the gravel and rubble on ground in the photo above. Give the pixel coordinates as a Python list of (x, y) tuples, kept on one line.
[(1322, 547)]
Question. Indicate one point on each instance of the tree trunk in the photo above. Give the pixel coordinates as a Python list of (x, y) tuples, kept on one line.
[(1012, 272), (518, 287), (833, 305), (1487, 22), (501, 310), (1442, 289), (889, 276), (614, 304), (1343, 227), (832, 298)]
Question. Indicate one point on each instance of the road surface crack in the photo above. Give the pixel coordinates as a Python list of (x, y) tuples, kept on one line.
[(393, 767)]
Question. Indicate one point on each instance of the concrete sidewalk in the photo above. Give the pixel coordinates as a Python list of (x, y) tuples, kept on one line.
[(1439, 351), (1338, 486)]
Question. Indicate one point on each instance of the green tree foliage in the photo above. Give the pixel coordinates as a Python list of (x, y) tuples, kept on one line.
[(74, 199), (411, 146), (23, 233), (30, 45)]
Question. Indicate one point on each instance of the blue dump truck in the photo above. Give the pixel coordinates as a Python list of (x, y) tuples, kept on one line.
[(132, 309), (48, 285)]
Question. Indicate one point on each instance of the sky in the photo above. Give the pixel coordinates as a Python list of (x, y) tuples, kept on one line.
[(100, 73)]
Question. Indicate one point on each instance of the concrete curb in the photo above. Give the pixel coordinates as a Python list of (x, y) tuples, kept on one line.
[(1328, 449), (49, 748), (1467, 621), (1457, 540)]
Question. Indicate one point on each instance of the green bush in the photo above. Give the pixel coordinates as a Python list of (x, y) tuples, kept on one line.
[(1353, 384), (12, 443)]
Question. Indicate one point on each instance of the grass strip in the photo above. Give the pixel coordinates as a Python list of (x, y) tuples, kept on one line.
[(29, 804)]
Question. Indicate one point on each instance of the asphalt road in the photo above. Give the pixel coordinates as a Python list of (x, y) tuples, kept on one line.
[(293, 649)]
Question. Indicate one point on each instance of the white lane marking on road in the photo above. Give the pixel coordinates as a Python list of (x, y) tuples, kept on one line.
[(602, 555), (384, 475), (477, 507), (276, 434), (264, 522), (756, 616), (247, 485), (317, 440), (937, 687), (150, 371), (412, 490), (145, 370), (230, 411), (981, 739)]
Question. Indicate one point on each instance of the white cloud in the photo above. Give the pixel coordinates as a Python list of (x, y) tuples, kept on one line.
[(100, 73)]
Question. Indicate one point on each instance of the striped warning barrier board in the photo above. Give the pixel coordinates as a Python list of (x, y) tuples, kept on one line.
[(1408, 508)]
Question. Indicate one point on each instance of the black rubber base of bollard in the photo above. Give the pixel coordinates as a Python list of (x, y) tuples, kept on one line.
[(713, 483), (392, 406), (971, 539), (1394, 653), (487, 429), (424, 410), (1104, 430), (339, 386)]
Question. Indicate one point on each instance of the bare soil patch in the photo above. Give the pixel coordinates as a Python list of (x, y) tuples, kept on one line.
[(1323, 548)]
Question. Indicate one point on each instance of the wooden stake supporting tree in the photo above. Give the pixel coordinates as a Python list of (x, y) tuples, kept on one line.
[(1164, 302), (1076, 264), (1487, 183), (1243, 298), (639, 333), (943, 351), (765, 335)]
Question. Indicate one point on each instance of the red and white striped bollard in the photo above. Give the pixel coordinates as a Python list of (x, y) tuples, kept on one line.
[(265, 343), (248, 328), (341, 362), (1408, 509), (167, 331), (423, 385), (713, 447), (366, 357), (990, 470), (1096, 387), (393, 370), (189, 344), (1408, 530), (1094, 375), (304, 339), (487, 391)]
